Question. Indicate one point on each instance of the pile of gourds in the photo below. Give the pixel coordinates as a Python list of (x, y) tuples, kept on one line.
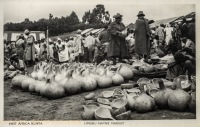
[(55, 81), (119, 104), (139, 66)]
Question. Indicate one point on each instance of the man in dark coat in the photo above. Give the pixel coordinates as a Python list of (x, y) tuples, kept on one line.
[(184, 29), (117, 45), (142, 36)]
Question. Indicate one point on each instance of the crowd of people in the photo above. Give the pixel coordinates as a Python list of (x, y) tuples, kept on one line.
[(115, 43)]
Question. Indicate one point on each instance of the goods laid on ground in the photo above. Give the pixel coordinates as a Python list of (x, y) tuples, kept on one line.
[(141, 98), (55, 81)]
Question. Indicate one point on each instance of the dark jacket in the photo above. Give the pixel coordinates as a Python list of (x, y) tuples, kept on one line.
[(142, 37), (104, 36), (117, 45), (184, 30)]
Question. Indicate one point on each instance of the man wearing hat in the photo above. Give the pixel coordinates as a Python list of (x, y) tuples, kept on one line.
[(142, 36), (184, 28), (117, 45), (30, 50)]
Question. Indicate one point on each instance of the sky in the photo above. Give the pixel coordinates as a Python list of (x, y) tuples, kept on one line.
[(17, 13)]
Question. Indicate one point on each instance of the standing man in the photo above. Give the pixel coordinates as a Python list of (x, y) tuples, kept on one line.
[(117, 45), (89, 43), (168, 33), (104, 38), (142, 36), (29, 53), (160, 33), (184, 29), (78, 47)]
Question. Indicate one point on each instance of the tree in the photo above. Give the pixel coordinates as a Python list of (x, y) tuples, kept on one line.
[(95, 16), (50, 16), (58, 26), (86, 17), (26, 20), (73, 18)]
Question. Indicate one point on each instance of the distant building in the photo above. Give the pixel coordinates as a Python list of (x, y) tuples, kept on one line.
[(12, 35)]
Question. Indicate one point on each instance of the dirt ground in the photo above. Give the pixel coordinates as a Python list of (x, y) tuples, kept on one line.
[(23, 105)]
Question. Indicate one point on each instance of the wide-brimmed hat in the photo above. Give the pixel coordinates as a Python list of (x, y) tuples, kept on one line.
[(141, 13), (26, 31), (117, 16)]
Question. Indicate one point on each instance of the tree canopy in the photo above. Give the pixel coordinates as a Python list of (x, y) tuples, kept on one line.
[(59, 26)]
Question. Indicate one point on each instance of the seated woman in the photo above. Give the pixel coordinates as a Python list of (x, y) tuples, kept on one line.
[(161, 49), (172, 47), (17, 63), (184, 64)]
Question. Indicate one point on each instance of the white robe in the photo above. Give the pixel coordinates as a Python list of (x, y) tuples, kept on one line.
[(63, 55), (168, 31)]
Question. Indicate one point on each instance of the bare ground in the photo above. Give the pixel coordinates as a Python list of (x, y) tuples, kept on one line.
[(23, 105)]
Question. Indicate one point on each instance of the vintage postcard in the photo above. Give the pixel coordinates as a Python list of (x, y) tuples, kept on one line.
[(99, 63)]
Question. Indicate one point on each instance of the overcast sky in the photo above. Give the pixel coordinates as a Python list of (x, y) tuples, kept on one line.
[(17, 13)]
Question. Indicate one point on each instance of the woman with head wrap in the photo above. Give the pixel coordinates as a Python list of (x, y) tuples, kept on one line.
[(20, 46), (30, 51)]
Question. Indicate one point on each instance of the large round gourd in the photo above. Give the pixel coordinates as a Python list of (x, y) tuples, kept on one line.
[(26, 83), (117, 78), (72, 86), (161, 97), (18, 79), (178, 99), (126, 72), (104, 81), (144, 103), (53, 90), (89, 84)]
